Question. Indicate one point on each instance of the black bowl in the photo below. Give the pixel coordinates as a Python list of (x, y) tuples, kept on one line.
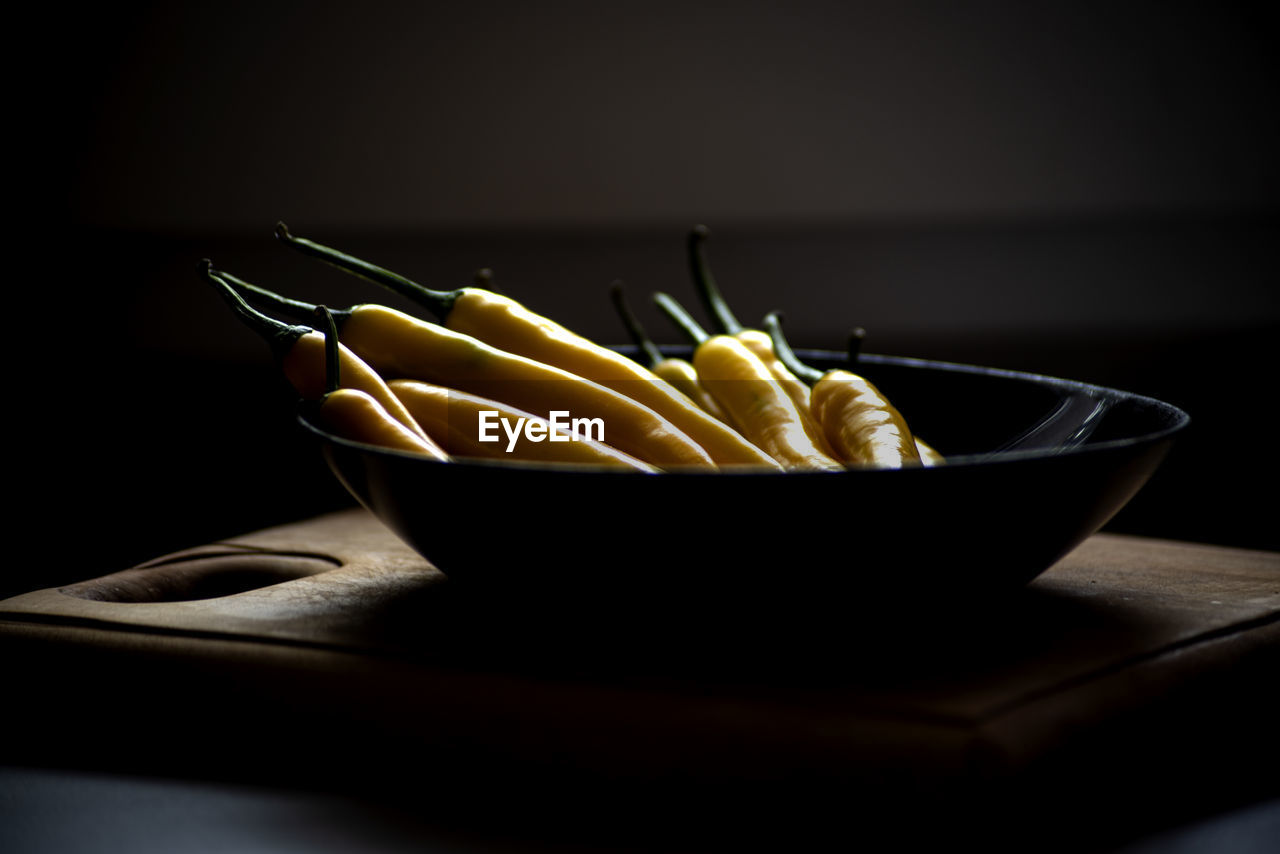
[(1034, 466)]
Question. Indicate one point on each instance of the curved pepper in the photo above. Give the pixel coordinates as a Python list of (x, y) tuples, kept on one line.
[(507, 325), (929, 456), (756, 340), (452, 418), (679, 372), (749, 392), (300, 351), (402, 346), (354, 414), (863, 426)]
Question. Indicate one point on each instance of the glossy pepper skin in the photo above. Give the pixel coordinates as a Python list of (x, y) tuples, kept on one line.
[(929, 456), (353, 414), (758, 404), (507, 325), (864, 428), (756, 340), (451, 418), (402, 346), (679, 372), (302, 355)]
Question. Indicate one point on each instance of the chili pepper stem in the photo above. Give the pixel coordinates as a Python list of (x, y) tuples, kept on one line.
[(706, 285), (286, 305), (680, 317), (633, 325), (279, 336), (439, 303), (853, 347), (773, 325), (332, 357)]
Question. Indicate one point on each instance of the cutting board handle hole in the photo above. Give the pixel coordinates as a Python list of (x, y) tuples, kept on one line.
[(201, 577)]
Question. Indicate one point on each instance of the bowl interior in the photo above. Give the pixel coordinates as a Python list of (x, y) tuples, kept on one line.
[(970, 412)]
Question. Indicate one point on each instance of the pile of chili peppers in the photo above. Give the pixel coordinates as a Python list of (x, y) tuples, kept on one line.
[(442, 387)]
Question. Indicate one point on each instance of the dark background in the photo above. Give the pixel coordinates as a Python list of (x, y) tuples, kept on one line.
[(1080, 189)]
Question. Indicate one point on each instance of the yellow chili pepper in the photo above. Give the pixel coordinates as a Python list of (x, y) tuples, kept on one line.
[(354, 414), (863, 426), (929, 456), (301, 354), (401, 346), (679, 372), (743, 385), (503, 323), (756, 340), (454, 419)]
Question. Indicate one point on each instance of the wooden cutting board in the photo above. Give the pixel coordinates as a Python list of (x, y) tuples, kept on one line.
[(1133, 677)]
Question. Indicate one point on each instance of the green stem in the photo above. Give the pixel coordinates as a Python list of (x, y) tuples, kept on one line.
[(332, 356), (634, 328), (788, 357), (853, 350), (280, 336), (439, 303), (681, 318), (708, 290), (294, 308)]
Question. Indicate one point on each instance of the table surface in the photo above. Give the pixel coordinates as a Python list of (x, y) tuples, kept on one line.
[(1129, 684)]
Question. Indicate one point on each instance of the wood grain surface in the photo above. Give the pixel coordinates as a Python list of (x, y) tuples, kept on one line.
[(1132, 674)]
